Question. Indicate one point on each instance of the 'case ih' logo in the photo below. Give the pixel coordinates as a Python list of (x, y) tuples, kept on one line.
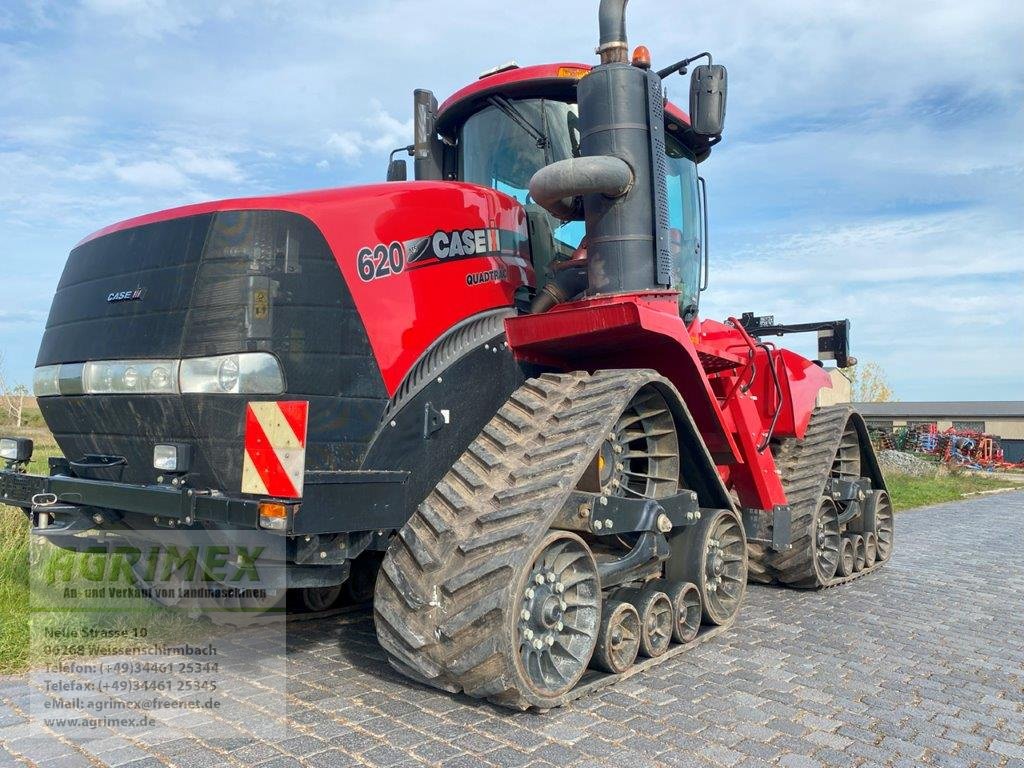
[(384, 260), (117, 296)]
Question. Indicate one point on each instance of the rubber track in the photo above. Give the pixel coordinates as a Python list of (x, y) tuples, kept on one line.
[(442, 596), (805, 466)]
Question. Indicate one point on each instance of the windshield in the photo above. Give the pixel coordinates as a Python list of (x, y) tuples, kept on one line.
[(503, 145)]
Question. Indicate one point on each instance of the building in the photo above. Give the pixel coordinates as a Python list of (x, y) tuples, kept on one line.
[(1004, 419)]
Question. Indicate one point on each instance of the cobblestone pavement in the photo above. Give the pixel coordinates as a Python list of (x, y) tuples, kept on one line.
[(921, 663)]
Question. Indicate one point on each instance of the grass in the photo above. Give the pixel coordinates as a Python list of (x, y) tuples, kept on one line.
[(909, 492), (29, 608), (14, 578)]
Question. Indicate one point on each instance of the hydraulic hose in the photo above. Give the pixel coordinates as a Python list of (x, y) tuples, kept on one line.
[(556, 186)]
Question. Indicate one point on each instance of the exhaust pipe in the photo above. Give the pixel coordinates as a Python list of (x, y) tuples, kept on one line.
[(612, 19)]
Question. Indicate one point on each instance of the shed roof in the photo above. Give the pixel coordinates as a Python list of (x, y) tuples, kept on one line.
[(945, 409)]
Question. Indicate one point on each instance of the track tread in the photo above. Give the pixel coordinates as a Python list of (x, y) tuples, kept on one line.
[(441, 599), (805, 466)]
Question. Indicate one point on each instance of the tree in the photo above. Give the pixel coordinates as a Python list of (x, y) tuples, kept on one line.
[(12, 399), (870, 384)]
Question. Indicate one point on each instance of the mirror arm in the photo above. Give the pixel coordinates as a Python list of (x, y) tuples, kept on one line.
[(680, 66), (409, 150)]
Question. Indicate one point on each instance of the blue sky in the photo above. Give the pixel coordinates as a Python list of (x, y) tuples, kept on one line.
[(872, 167)]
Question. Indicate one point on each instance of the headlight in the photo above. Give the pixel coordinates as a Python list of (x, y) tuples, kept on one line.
[(45, 382), (251, 373), (18, 449), (110, 377)]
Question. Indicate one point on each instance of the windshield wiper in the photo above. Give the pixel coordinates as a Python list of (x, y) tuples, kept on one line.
[(519, 119)]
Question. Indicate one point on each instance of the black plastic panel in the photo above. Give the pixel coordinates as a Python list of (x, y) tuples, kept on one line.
[(234, 282)]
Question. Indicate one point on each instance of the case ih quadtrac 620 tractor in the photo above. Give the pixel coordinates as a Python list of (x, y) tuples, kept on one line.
[(487, 389)]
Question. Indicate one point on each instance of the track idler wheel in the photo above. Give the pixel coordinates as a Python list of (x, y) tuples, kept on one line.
[(713, 556), (686, 610), (883, 527), (846, 557), (870, 549), (618, 640), (858, 552), (317, 599), (559, 616)]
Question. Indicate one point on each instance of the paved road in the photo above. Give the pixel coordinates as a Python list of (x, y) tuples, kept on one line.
[(921, 663)]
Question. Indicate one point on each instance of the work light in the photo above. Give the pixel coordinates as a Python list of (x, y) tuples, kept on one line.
[(172, 457), (16, 449)]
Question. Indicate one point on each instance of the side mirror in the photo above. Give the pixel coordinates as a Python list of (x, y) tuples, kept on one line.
[(708, 86), (427, 149), (397, 170)]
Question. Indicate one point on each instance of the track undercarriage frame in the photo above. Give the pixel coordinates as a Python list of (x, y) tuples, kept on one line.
[(531, 576)]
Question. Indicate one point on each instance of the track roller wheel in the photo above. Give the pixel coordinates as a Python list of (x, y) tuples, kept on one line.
[(814, 557), (713, 555), (870, 549), (317, 599), (618, 640), (883, 527), (846, 557), (656, 620), (360, 583), (858, 552), (686, 610), (558, 617)]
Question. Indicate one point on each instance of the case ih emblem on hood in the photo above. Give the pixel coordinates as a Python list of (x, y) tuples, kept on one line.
[(119, 296), (444, 245)]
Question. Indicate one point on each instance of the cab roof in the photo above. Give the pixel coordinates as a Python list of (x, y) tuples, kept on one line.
[(555, 81)]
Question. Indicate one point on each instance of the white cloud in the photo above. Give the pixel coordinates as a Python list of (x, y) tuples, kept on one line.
[(382, 133), (870, 168), (146, 18)]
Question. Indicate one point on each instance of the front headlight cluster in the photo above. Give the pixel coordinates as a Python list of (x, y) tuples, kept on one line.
[(112, 377), (246, 373)]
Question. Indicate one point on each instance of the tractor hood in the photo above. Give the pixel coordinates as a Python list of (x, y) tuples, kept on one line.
[(326, 297)]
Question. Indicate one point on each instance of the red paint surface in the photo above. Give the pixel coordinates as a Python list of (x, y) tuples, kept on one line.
[(403, 313), (706, 362), (535, 72)]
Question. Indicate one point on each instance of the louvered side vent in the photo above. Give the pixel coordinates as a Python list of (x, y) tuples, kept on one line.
[(659, 162)]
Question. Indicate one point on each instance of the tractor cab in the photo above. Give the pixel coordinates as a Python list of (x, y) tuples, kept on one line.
[(500, 130)]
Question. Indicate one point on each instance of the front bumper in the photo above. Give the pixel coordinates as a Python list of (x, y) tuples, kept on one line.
[(159, 503), (334, 502)]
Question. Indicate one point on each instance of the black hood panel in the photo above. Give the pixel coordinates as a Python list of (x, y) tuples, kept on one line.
[(212, 284)]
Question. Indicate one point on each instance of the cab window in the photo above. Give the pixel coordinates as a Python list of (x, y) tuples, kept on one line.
[(684, 226), (502, 148)]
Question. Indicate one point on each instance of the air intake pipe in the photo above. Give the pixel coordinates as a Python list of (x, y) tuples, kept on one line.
[(558, 186)]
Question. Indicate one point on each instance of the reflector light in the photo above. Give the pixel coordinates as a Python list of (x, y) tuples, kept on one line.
[(575, 73), (274, 515)]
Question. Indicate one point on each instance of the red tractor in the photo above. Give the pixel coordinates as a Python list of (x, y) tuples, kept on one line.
[(489, 385)]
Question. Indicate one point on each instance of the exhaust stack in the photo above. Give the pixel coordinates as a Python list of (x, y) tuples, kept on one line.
[(622, 137)]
